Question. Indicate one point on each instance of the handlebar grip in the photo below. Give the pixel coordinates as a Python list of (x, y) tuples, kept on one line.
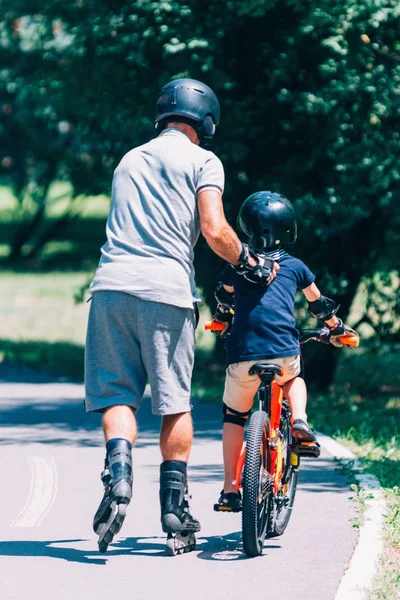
[(214, 326), (349, 340)]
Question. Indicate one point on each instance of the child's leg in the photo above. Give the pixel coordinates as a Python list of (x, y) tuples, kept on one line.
[(296, 392), (240, 389), (232, 442)]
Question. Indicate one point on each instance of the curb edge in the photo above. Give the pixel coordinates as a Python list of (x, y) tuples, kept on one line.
[(363, 565)]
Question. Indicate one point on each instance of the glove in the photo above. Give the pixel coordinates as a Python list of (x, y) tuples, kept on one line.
[(223, 315), (338, 331), (260, 273)]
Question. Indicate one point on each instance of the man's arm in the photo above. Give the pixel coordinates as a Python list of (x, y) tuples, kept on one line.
[(218, 233), (223, 240)]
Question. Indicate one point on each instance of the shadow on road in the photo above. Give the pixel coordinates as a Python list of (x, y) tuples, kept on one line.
[(216, 548), (63, 420), (51, 550)]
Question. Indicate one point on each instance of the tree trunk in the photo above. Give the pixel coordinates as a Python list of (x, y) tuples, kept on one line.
[(24, 233), (52, 232)]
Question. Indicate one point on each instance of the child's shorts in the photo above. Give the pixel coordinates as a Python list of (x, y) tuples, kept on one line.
[(240, 387)]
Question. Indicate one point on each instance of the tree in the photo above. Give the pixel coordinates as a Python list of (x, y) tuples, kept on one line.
[(309, 96)]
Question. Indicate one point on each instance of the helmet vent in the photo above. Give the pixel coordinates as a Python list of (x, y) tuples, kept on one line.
[(200, 91)]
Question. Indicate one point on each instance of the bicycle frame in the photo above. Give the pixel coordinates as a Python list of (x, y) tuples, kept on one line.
[(270, 397), (270, 400)]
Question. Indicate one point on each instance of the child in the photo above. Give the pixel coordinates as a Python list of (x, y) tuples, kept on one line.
[(264, 328)]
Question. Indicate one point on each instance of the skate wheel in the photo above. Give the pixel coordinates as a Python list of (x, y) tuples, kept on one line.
[(103, 546), (171, 547), (191, 544)]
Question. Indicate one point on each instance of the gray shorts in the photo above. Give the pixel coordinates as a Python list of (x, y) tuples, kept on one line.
[(131, 341)]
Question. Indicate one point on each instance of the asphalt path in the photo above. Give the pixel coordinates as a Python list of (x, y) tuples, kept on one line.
[(51, 456)]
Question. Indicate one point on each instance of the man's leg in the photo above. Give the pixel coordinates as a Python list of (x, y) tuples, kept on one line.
[(119, 422), (115, 380), (175, 444), (167, 345), (176, 436), (119, 426)]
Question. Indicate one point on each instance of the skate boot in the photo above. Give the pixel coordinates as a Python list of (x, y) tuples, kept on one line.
[(117, 479), (176, 519)]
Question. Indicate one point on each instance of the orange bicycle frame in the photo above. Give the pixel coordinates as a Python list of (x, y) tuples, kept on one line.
[(275, 444)]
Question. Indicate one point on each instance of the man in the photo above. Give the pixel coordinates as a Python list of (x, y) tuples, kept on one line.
[(142, 318)]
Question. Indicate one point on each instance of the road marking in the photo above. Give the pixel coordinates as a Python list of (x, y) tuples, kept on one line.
[(42, 493)]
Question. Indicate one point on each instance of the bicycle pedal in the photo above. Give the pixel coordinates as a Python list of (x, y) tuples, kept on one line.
[(310, 449), (228, 509)]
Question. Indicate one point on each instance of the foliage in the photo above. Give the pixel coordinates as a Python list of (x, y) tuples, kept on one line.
[(310, 107)]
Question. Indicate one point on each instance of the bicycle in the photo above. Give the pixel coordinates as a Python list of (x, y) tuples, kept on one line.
[(268, 467)]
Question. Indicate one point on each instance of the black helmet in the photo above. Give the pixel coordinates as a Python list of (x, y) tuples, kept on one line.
[(269, 220), (189, 101)]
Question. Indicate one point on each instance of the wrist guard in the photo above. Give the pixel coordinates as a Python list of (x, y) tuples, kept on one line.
[(259, 273), (323, 308)]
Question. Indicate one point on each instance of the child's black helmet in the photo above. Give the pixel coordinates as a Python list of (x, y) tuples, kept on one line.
[(192, 102), (269, 221)]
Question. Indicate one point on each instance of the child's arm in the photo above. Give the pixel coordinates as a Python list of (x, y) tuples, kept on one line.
[(225, 308), (321, 307), (224, 294)]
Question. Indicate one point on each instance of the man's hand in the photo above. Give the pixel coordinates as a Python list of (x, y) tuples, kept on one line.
[(255, 267), (338, 331)]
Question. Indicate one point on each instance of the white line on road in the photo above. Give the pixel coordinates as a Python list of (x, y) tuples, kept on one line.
[(42, 493)]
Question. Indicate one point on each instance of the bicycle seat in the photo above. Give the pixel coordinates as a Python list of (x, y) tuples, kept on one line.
[(266, 371)]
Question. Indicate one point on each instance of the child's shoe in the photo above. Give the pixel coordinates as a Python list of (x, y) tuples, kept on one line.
[(302, 432), (230, 502)]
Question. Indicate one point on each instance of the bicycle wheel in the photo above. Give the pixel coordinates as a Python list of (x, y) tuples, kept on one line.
[(284, 499), (257, 485)]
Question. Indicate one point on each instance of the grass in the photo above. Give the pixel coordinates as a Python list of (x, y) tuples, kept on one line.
[(40, 324), (369, 426), (43, 327)]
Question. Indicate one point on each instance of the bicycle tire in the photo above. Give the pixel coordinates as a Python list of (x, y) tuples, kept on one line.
[(257, 485), (284, 503)]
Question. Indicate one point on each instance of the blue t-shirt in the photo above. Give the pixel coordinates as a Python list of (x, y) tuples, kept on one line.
[(264, 324)]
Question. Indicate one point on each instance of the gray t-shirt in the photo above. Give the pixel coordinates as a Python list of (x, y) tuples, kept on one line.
[(153, 223)]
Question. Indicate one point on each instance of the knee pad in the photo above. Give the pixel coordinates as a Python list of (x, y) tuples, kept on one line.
[(237, 418)]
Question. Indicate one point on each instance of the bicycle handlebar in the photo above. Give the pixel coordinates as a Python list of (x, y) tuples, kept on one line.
[(214, 325), (321, 335)]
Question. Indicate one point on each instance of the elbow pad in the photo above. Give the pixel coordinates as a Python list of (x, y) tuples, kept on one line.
[(323, 308), (224, 298)]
